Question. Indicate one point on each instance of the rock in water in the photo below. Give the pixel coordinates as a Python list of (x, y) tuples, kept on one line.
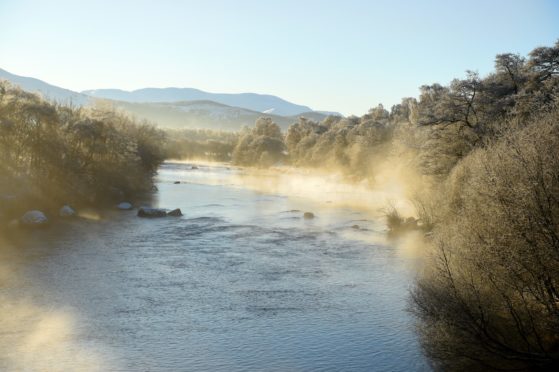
[(193, 167), (66, 211), (308, 215), (34, 218), (175, 213), (152, 212), (177, 182), (125, 206)]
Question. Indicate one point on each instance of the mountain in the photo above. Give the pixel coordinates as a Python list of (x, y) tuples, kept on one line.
[(166, 110), (251, 101), (48, 91), (197, 114)]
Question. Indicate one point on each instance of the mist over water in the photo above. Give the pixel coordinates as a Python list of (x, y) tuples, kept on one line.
[(240, 282), (36, 332)]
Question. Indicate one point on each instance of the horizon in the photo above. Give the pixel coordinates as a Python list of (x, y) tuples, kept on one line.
[(133, 45), (383, 194)]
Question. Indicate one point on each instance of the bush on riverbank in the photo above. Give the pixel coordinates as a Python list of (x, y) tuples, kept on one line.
[(261, 146), (200, 144), (52, 155), (490, 295)]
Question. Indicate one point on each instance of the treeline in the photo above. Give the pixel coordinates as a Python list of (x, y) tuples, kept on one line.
[(261, 146), (488, 297), (52, 155), (203, 144), (442, 126)]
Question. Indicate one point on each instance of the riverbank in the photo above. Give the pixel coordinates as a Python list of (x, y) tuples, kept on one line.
[(241, 281)]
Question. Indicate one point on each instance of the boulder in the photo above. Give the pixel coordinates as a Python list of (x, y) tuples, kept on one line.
[(356, 227), (177, 182), (308, 215), (194, 167), (175, 213), (66, 211), (124, 206), (152, 212), (34, 218)]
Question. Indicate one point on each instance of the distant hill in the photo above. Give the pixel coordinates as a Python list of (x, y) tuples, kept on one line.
[(250, 101), (162, 106), (197, 114), (48, 91)]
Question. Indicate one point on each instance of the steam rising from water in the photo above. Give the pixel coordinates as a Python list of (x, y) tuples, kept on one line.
[(37, 337), (32, 337), (394, 183)]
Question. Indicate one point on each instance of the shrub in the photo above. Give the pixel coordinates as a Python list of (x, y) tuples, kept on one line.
[(51, 154), (490, 298)]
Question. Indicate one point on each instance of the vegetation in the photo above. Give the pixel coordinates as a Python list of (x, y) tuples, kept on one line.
[(489, 295), (51, 155), (443, 126), (203, 144), (489, 147), (260, 146)]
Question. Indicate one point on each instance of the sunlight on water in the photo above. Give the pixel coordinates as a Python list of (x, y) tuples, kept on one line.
[(320, 186), (90, 214), (241, 282)]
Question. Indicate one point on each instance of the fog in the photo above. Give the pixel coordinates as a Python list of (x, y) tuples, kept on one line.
[(36, 337), (462, 180), (395, 183)]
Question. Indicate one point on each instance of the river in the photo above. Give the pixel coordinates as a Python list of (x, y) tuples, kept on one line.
[(240, 282)]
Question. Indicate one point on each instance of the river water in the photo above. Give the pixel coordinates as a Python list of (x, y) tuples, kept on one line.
[(240, 282)]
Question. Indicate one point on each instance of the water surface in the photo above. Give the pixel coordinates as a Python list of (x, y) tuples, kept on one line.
[(240, 282)]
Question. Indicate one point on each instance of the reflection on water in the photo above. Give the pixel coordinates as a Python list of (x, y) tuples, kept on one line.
[(240, 282)]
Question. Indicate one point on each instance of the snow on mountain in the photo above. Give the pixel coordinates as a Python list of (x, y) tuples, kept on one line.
[(166, 108), (249, 101)]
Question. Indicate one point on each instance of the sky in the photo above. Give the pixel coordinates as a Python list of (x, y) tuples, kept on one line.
[(344, 55)]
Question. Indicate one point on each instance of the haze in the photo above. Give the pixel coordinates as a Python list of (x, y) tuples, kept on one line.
[(290, 186), (341, 56)]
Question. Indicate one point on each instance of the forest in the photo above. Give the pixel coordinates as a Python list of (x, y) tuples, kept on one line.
[(484, 149), (486, 154)]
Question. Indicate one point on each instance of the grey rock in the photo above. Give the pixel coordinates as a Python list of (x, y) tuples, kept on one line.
[(66, 211), (175, 213), (152, 212), (125, 206), (34, 218)]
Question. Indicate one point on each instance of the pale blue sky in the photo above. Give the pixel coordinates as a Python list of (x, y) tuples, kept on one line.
[(343, 56)]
